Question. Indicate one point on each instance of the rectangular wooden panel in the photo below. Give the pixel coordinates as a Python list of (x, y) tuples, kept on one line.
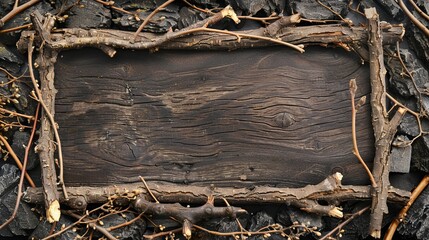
[(257, 116)]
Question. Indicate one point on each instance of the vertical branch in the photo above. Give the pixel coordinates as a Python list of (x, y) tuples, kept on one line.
[(46, 147), (384, 130)]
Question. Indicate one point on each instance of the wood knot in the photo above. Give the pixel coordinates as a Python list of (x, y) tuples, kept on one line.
[(284, 120)]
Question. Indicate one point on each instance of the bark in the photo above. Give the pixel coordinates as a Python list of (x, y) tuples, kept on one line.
[(331, 34), (46, 147), (330, 190), (384, 130)]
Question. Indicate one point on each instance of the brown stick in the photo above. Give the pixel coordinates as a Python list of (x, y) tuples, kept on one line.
[(341, 225), (17, 161), (423, 14), (145, 22), (93, 225), (401, 216), (49, 111), (16, 114), (17, 10), (23, 171), (413, 19), (384, 130), (45, 147), (353, 89), (16, 28), (308, 35), (329, 190)]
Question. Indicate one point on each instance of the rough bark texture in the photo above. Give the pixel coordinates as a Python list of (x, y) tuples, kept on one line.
[(329, 190), (309, 35), (384, 130), (46, 145)]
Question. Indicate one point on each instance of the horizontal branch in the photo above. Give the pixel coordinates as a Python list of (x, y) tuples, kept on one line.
[(329, 190), (308, 35)]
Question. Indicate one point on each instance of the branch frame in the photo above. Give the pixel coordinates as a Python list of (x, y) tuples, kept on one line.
[(331, 189)]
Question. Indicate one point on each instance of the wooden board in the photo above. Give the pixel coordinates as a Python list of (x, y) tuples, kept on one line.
[(258, 116)]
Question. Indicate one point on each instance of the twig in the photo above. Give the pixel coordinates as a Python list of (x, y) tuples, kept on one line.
[(110, 4), (413, 19), (16, 28), (332, 11), (416, 115), (16, 4), (197, 8), (161, 234), (401, 216), (319, 21), (328, 190), (73, 224), (353, 89), (162, 6), (148, 189), (17, 10), (47, 113), (299, 48), (17, 161), (16, 114), (423, 14), (125, 223), (181, 213), (410, 75), (23, 171), (277, 229), (261, 19), (384, 130), (94, 225), (341, 225)]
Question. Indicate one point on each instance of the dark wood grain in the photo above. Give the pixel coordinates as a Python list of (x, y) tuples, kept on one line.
[(260, 116)]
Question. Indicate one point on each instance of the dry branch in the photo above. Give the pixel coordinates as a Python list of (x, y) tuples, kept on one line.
[(332, 34), (401, 216), (384, 130), (17, 10), (46, 147), (186, 215), (329, 190)]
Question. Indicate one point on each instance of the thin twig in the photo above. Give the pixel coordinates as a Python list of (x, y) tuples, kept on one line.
[(94, 225), (145, 22), (17, 10), (341, 225), (148, 189), (73, 224), (332, 11), (415, 114), (401, 216), (259, 232), (320, 21), (16, 4), (413, 19), (353, 88), (410, 75), (47, 112), (161, 234), (299, 48), (16, 28), (17, 161), (23, 172), (423, 14), (16, 114), (197, 8), (110, 4), (125, 223)]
